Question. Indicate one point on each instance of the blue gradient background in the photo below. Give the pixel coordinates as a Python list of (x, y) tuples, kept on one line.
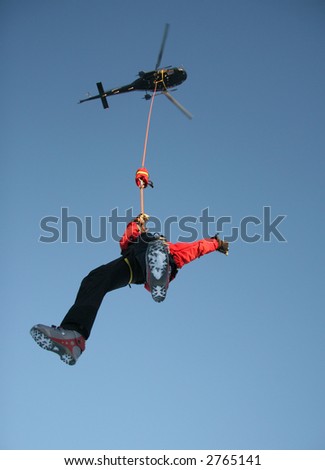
[(234, 358)]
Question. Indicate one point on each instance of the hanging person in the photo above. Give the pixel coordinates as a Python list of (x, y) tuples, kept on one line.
[(147, 259)]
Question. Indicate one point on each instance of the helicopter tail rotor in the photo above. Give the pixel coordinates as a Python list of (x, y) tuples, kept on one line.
[(102, 94)]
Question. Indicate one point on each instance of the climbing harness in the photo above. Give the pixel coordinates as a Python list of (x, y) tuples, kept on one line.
[(131, 271)]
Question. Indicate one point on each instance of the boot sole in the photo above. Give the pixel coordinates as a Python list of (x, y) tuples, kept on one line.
[(45, 342), (157, 260)]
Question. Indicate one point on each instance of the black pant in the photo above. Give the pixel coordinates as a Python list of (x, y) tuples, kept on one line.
[(95, 286)]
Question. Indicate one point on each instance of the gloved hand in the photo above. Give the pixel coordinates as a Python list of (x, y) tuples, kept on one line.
[(142, 217), (141, 220), (223, 246)]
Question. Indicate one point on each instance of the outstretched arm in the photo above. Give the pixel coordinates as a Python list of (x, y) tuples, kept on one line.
[(184, 253)]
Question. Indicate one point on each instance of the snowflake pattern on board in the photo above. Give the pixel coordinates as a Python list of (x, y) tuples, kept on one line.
[(158, 269)]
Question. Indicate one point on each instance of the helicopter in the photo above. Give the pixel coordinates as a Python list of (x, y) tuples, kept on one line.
[(158, 80)]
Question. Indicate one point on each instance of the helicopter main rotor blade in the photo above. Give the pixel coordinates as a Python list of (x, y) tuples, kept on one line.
[(162, 46), (176, 103)]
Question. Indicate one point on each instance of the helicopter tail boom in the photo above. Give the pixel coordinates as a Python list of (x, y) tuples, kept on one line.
[(102, 95)]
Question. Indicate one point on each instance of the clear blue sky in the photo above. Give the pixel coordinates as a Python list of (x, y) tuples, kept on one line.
[(234, 358)]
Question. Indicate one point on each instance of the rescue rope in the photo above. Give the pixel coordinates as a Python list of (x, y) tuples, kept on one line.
[(143, 184), (148, 127)]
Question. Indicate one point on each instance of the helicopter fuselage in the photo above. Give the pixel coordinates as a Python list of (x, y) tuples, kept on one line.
[(156, 79)]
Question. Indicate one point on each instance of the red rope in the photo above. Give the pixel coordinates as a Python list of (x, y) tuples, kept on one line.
[(145, 148), (148, 127)]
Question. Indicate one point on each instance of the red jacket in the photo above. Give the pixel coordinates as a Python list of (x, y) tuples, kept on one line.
[(182, 253)]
